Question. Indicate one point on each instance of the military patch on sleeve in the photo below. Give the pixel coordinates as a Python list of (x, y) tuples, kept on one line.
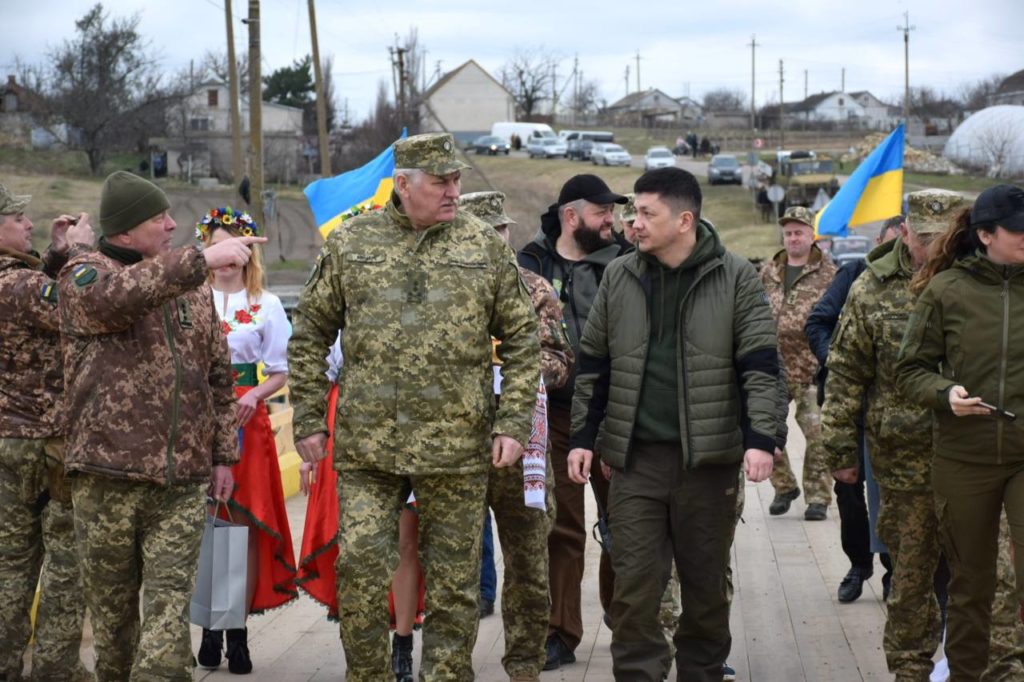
[(314, 274), (83, 275), (184, 313), (49, 293)]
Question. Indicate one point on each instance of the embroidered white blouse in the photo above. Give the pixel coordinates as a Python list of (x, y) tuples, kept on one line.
[(257, 331)]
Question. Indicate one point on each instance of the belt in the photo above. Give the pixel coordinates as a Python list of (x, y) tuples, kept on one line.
[(245, 374)]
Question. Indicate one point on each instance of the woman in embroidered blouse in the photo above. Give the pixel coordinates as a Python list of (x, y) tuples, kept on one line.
[(257, 331)]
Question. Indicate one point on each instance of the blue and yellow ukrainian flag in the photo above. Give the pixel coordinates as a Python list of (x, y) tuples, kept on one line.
[(333, 200), (873, 192)]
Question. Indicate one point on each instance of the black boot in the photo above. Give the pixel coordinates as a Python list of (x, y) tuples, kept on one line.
[(239, 662), (401, 657), (211, 648)]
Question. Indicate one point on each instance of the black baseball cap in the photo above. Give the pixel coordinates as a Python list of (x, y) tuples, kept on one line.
[(1001, 205), (589, 187)]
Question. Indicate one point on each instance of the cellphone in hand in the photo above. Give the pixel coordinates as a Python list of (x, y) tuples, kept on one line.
[(1008, 416)]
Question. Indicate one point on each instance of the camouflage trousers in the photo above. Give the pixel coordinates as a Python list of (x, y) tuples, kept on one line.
[(37, 535), (451, 514), (817, 478), (139, 537), (908, 524), (525, 603)]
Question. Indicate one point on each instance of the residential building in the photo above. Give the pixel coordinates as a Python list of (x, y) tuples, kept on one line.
[(466, 101)]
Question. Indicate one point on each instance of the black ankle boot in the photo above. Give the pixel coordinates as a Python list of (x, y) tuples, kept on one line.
[(211, 648), (239, 662), (401, 657)]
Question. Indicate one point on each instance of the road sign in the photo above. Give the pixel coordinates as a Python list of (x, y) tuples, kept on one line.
[(758, 143), (776, 194)]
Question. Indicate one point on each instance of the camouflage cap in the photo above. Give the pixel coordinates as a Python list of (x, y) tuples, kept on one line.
[(12, 203), (487, 206), (930, 210), (432, 153), (629, 210), (797, 214)]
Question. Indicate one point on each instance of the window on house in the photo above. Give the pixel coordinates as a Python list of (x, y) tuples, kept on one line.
[(840, 102), (199, 124), (211, 98)]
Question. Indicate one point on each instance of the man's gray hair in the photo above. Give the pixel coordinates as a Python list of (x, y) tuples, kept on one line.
[(576, 206), (412, 174)]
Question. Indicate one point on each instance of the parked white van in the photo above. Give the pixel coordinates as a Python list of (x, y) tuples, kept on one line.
[(504, 129)]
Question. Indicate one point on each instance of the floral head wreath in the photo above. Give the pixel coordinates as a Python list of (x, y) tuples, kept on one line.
[(227, 217)]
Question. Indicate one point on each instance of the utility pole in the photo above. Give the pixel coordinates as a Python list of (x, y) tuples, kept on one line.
[(906, 28), (576, 89), (638, 70), (321, 104), (236, 117), (782, 130), (554, 90), (805, 84), (401, 83), (753, 107), (255, 114), (627, 79), (842, 80)]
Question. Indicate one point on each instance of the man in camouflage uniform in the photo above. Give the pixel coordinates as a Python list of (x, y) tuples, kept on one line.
[(419, 289), (523, 531), (36, 525), (861, 371), (150, 406), (626, 219), (794, 280)]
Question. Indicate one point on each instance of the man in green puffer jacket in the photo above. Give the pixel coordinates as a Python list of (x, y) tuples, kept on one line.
[(677, 386)]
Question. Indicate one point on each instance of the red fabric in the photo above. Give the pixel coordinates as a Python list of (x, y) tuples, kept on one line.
[(319, 537), (317, 576), (259, 497)]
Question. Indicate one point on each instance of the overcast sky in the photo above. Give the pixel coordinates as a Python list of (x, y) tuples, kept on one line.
[(685, 47)]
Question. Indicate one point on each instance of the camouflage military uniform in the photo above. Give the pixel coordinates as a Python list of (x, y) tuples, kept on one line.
[(861, 365), (523, 531), (36, 531), (150, 400), (415, 406), (791, 311)]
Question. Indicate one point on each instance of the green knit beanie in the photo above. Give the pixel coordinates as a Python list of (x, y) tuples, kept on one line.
[(128, 201)]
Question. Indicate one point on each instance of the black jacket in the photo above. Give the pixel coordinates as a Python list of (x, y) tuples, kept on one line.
[(825, 316), (576, 290)]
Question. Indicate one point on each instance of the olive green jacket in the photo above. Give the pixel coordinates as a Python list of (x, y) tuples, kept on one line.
[(862, 370), (418, 310), (968, 328), (728, 371)]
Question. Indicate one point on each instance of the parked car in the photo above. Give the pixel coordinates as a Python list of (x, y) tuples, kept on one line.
[(658, 157), (852, 247), (579, 150), (489, 144), (724, 168), (610, 154), (547, 147)]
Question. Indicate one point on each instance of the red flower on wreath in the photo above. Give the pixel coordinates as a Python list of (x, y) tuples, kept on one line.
[(243, 316)]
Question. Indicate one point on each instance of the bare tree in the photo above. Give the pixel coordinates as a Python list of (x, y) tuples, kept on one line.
[(975, 96), (367, 140), (998, 141), (725, 99), (584, 101), (104, 83), (528, 76), (217, 64)]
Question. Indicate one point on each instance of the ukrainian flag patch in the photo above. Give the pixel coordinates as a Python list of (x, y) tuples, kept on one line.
[(83, 275), (49, 293)]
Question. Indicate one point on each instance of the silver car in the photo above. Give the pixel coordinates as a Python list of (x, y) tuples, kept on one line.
[(659, 157), (610, 154), (547, 147)]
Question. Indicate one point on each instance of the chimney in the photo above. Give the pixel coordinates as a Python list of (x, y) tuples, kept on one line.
[(11, 79)]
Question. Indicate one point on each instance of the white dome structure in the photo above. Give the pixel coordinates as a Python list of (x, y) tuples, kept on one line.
[(991, 140)]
